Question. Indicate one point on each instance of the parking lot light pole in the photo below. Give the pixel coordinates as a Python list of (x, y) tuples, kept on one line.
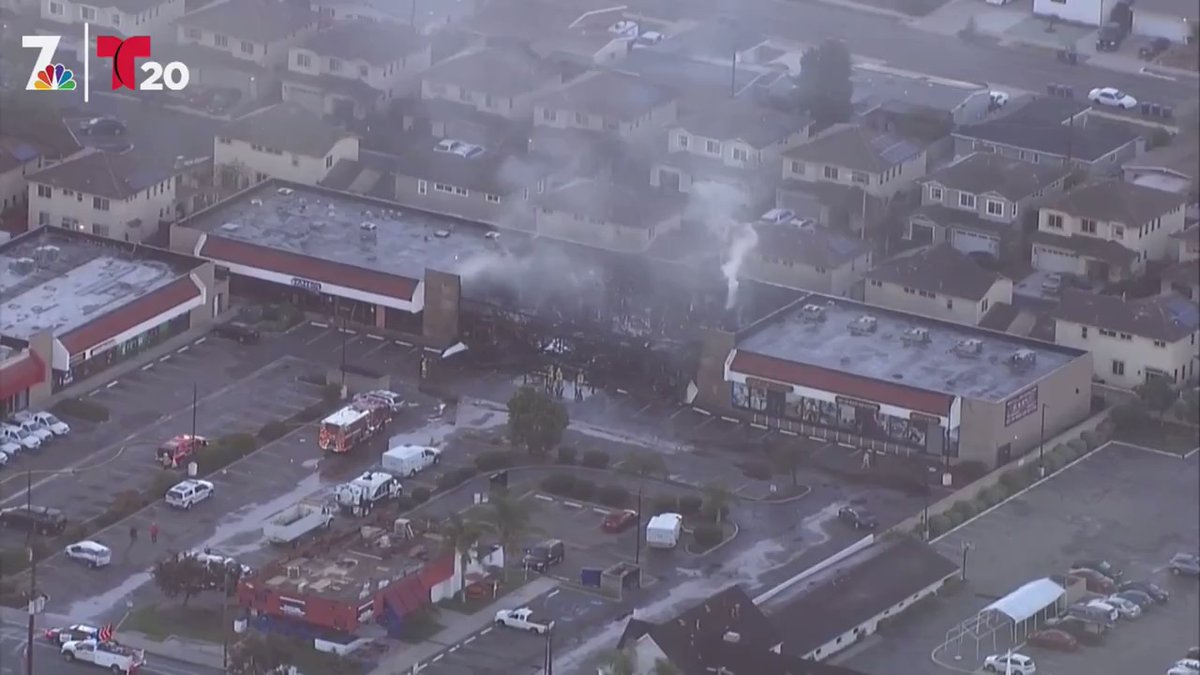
[(195, 401), (1042, 446), (33, 595), (343, 367)]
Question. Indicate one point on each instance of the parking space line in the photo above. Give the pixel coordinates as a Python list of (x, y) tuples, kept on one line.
[(731, 420), (642, 409), (348, 331), (148, 366), (402, 343), (468, 640), (847, 445), (572, 505), (318, 324), (544, 498), (702, 411), (785, 432), (165, 358), (181, 349), (437, 658), (112, 384), (485, 631), (758, 426), (200, 341), (374, 337), (816, 438)]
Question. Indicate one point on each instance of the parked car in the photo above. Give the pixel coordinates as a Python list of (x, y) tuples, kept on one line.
[(394, 401), (90, 553), (79, 631), (14, 434), (859, 518), (1193, 653), (777, 216), (545, 555), (1185, 563), (24, 421), (9, 448), (55, 425), (1096, 582), (236, 330), (1128, 609), (1085, 633), (186, 494), (1142, 600), (103, 126), (1182, 670), (1151, 589), (1112, 612), (1112, 97), (1154, 48), (1053, 638), (1191, 664), (1102, 566), (34, 519), (1110, 37), (619, 521), (1010, 664)]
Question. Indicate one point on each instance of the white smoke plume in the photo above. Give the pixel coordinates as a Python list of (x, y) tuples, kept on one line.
[(742, 242), (722, 210)]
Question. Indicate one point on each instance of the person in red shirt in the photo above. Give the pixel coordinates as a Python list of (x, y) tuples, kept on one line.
[(153, 533)]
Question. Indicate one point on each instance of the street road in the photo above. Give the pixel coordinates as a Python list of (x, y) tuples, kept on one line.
[(888, 39), (46, 660)]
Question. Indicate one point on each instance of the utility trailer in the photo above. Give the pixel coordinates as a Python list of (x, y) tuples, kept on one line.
[(296, 521)]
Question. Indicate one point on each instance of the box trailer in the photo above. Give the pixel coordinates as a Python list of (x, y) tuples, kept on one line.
[(296, 521)]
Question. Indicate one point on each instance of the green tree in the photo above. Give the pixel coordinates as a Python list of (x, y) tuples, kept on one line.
[(461, 537), (536, 421), (825, 82), (646, 465), (510, 519), (183, 577), (1158, 395), (716, 500), (618, 662), (665, 667), (787, 459), (257, 654)]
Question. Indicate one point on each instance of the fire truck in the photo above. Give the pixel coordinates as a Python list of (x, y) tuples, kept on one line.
[(353, 424)]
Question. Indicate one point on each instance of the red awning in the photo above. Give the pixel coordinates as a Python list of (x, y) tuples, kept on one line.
[(299, 266), (127, 316), (21, 373), (843, 384)]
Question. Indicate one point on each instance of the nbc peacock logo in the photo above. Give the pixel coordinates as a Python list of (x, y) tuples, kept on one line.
[(55, 77)]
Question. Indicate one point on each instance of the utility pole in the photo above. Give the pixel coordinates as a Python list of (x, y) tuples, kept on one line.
[(224, 621), (412, 19), (733, 76), (343, 368), (34, 600), (1042, 446), (637, 551), (195, 401), (548, 664), (966, 547)]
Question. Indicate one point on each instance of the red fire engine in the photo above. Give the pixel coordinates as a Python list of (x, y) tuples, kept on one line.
[(353, 424), (179, 449)]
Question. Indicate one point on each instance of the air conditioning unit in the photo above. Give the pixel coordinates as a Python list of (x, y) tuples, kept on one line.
[(916, 336), (864, 325), (293, 572), (255, 202), (368, 226), (812, 313), (285, 191), (971, 347), (22, 265), (441, 234), (46, 254), (1022, 359), (230, 227)]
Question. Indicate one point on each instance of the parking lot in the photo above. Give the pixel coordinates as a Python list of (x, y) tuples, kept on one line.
[(1131, 507), (501, 651)]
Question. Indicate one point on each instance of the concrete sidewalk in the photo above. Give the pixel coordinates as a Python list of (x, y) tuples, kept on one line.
[(463, 626)]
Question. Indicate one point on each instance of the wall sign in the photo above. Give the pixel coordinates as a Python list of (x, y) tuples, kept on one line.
[(925, 419), (306, 285), (857, 403), (767, 385), (1021, 406), (102, 347)]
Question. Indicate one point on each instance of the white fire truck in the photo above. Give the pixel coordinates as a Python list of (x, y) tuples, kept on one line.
[(353, 424)]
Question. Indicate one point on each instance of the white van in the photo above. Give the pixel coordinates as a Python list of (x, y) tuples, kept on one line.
[(408, 460), (663, 530)]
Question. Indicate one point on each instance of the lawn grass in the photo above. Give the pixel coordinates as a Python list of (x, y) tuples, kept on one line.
[(516, 579), (161, 621)]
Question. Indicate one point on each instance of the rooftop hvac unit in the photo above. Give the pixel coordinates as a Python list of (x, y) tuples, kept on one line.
[(970, 347), (441, 234), (813, 313), (256, 202), (230, 227), (293, 572), (366, 226), (301, 587), (285, 191), (1022, 359), (46, 254), (864, 324), (916, 336), (317, 224), (22, 265)]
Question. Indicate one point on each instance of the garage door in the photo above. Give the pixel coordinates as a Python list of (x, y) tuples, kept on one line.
[(973, 242), (1151, 24), (1049, 260)]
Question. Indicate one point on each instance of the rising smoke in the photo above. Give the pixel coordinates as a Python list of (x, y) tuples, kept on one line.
[(742, 241), (721, 208)]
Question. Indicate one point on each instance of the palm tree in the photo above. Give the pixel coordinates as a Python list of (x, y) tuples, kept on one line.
[(717, 498), (510, 519), (460, 537), (618, 662), (664, 667)]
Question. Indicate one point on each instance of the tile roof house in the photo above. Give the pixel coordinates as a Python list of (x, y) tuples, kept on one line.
[(355, 68), (500, 80), (979, 203), (285, 141), (1132, 340), (937, 281), (1106, 230), (622, 106), (809, 257), (608, 215)]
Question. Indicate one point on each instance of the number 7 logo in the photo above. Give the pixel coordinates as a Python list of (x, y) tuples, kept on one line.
[(47, 75)]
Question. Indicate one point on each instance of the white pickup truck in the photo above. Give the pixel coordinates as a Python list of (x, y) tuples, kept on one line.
[(110, 655), (296, 521), (523, 619)]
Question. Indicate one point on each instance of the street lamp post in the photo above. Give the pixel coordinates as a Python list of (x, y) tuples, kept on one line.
[(1042, 446), (33, 594), (343, 367)]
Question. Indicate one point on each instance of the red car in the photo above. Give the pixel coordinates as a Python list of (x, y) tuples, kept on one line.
[(1052, 638), (177, 450), (619, 521), (1096, 582)]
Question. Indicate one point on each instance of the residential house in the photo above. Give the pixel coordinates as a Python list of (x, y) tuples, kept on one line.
[(242, 45), (17, 159), (845, 176), (620, 105), (373, 174), (598, 39), (485, 185), (118, 196), (1131, 341), (734, 143), (577, 34), (1183, 277), (497, 80), (881, 92), (430, 17), (1174, 166), (123, 17), (810, 258), (980, 203), (282, 141), (937, 281), (31, 138), (607, 215), (1054, 131), (1175, 20), (1106, 231), (354, 68)]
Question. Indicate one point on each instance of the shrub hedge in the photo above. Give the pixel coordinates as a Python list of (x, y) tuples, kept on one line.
[(83, 409), (420, 495), (615, 496), (492, 460), (567, 454), (596, 459), (559, 483), (689, 505), (583, 490), (938, 524), (664, 504), (757, 471)]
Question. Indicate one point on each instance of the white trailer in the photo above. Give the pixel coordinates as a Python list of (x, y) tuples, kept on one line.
[(360, 495), (408, 460), (663, 530), (115, 657), (296, 521)]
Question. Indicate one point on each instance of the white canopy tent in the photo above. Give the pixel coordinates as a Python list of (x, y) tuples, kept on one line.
[(1028, 600)]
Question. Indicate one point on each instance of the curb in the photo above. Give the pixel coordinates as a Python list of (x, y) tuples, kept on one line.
[(736, 531)]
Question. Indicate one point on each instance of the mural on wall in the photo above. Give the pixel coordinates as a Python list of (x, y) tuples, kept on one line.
[(1021, 406)]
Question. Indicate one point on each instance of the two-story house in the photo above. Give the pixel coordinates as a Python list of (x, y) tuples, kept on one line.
[(1131, 341), (496, 80), (845, 176), (282, 141), (1183, 277), (110, 195), (1106, 231), (354, 68), (622, 106), (242, 45), (608, 215), (979, 203), (123, 17), (937, 281), (424, 18), (31, 139), (810, 258), (734, 143)]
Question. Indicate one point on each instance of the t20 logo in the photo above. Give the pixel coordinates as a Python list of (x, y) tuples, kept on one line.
[(124, 53)]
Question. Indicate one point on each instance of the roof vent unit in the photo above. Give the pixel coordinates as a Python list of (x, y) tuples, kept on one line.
[(1022, 359), (970, 348), (293, 572), (231, 227), (916, 336), (285, 191), (46, 254), (864, 325), (813, 313), (22, 265), (441, 234), (367, 226), (731, 637)]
